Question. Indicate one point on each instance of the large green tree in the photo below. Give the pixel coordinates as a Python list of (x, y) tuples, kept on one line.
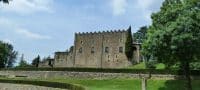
[(140, 35), (7, 55), (174, 36)]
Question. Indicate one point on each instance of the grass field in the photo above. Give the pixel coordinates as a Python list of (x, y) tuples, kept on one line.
[(142, 66), (128, 84), (131, 84), (111, 84)]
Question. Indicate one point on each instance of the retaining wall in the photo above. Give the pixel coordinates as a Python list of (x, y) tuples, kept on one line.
[(87, 75)]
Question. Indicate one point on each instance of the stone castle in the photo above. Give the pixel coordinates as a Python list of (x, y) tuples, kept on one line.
[(96, 50)]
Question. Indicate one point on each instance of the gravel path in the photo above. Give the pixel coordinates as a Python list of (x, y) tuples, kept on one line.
[(7, 86)]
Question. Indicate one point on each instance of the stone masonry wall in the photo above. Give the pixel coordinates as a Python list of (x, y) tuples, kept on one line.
[(63, 59), (101, 50), (83, 75)]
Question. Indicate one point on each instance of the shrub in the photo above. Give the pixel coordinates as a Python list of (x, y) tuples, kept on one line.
[(45, 83)]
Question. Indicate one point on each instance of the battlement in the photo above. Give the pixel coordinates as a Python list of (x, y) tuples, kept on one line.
[(101, 32), (56, 53)]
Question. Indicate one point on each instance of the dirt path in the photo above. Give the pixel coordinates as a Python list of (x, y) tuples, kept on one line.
[(7, 86)]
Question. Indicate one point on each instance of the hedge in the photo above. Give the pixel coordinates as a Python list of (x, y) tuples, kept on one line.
[(109, 70), (45, 83)]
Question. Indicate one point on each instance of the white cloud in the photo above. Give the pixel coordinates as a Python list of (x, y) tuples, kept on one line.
[(119, 6), (145, 4), (27, 6), (8, 41), (31, 35), (145, 7)]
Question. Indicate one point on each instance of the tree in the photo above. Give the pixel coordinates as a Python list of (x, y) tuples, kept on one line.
[(23, 62), (4, 1), (7, 55), (174, 36), (36, 61), (12, 55), (140, 35), (129, 45)]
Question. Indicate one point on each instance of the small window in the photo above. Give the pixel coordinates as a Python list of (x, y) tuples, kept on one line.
[(92, 50), (107, 49), (120, 40), (80, 50), (120, 49), (81, 42)]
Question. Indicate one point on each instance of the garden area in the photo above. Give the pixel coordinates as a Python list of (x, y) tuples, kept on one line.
[(120, 84)]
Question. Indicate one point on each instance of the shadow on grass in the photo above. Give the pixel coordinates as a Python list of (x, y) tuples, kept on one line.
[(179, 85), (173, 85)]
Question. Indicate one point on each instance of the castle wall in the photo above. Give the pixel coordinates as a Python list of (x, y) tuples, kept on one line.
[(44, 64), (88, 50), (63, 59), (114, 58), (136, 53)]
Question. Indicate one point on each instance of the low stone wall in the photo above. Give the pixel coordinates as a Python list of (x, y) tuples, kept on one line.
[(88, 75)]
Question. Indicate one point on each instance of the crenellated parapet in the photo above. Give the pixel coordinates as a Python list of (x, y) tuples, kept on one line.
[(101, 32)]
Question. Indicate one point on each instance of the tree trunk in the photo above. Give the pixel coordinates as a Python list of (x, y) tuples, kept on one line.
[(187, 75)]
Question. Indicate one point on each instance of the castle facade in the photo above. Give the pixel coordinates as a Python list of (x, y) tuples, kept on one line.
[(97, 50)]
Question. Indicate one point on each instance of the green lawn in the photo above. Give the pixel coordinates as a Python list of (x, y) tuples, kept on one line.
[(111, 84), (127, 84), (171, 85), (142, 66)]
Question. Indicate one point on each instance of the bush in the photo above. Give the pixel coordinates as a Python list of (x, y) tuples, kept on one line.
[(151, 64), (195, 65), (45, 83)]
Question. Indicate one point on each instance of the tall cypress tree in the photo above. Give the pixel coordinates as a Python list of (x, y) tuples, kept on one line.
[(128, 45)]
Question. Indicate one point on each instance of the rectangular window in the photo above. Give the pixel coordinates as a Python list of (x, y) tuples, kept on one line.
[(92, 50), (80, 50), (58, 56), (107, 49), (120, 49)]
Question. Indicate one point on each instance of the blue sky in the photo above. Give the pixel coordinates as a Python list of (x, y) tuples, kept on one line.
[(45, 26)]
